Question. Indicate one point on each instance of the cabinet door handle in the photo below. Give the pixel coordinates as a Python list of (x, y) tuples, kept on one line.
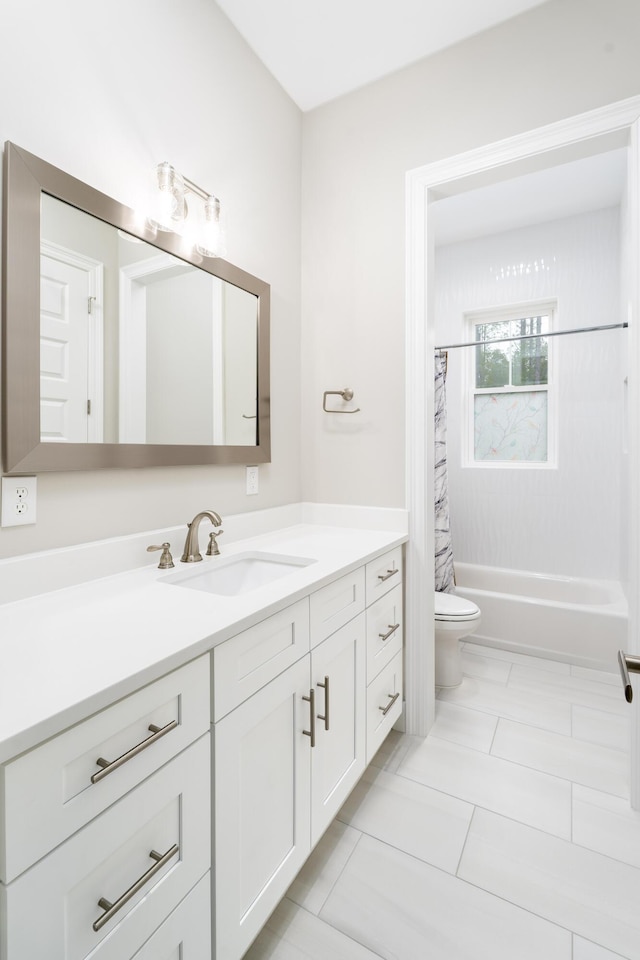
[(389, 573), (110, 909), (392, 629), (108, 766), (385, 710), (311, 700), (325, 717)]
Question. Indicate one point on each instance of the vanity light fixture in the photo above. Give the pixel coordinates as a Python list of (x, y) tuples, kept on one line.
[(172, 211)]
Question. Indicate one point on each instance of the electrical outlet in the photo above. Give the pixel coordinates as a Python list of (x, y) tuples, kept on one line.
[(253, 481), (18, 501)]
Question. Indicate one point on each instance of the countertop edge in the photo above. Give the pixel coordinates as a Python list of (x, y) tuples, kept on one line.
[(52, 725)]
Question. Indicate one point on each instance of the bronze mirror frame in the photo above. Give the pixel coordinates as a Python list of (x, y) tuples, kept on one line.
[(25, 178)]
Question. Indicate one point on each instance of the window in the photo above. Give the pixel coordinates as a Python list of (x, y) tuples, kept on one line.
[(509, 411)]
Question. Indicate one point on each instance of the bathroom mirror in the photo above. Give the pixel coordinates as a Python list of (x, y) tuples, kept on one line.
[(120, 349)]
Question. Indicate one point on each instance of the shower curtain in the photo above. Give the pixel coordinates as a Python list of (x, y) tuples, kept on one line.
[(444, 579)]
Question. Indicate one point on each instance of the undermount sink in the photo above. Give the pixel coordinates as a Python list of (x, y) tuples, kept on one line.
[(236, 575)]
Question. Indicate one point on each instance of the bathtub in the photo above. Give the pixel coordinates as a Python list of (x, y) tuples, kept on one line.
[(561, 618)]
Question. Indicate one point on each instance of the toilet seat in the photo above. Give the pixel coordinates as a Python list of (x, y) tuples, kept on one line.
[(449, 607)]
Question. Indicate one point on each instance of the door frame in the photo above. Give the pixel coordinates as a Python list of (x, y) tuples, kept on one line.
[(422, 185)]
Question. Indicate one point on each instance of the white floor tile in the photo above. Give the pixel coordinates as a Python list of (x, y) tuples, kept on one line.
[(404, 909), (469, 728), (391, 752), (508, 788), (568, 689), (485, 668), (409, 816), (293, 934), (590, 894), (584, 950), (607, 824), (313, 884), (540, 663), (550, 862), (561, 756), (538, 709), (599, 726), (601, 676)]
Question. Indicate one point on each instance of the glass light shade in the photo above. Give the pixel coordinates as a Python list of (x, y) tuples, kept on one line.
[(170, 208), (211, 240)]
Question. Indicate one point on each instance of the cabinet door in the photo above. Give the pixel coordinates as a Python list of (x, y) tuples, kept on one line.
[(261, 812), (338, 668)]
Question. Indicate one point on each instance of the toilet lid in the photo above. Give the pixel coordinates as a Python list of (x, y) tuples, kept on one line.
[(450, 606)]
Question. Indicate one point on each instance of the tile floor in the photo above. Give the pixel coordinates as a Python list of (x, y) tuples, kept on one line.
[(505, 835)]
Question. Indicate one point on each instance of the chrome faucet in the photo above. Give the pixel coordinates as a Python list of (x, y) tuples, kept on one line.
[(191, 546)]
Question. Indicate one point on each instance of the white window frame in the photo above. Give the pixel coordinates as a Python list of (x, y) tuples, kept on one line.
[(513, 311)]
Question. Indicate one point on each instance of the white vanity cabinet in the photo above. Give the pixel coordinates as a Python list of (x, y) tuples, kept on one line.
[(245, 752), (105, 828), (288, 755)]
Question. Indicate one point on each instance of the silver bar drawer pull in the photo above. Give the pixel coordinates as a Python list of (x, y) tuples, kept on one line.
[(311, 700), (108, 766), (325, 716), (385, 576), (627, 663), (385, 710), (392, 629), (110, 909)]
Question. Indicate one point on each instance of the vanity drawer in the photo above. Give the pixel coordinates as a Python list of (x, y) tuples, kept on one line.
[(250, 660), (53, 908), (383, 574), (384, 704), (384, 631), (337, 603), (49, 793), (184, 935)]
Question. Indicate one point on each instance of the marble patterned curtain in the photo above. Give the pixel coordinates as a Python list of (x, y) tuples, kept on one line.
[(444, 580)]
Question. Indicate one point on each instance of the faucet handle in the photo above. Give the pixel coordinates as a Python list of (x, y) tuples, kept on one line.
[(213, 550), (166, 560)]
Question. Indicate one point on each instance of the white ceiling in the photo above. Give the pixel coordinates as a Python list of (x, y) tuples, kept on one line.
[(321, 49), (590, 183)]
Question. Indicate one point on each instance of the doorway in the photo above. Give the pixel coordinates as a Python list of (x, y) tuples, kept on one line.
[(612, 127)]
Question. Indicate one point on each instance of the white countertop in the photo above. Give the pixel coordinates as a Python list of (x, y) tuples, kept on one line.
[(70, 652)]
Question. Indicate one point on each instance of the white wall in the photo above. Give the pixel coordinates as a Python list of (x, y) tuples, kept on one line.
[(105, 92), (564, 520), (563, 58)]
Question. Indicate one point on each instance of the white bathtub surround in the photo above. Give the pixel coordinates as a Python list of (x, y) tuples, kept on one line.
[(562, 618), (531, 517), (571, 891)]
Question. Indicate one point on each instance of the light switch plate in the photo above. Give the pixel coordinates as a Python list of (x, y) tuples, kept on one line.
[(252, 481), (18, 501)]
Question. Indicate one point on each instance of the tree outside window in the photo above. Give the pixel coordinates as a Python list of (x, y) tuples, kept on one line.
[(510, 395)]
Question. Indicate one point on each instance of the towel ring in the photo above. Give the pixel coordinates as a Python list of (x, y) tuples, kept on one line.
[(346, 394)]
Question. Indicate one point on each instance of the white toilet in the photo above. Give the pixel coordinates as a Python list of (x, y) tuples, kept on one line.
[(455, 618)]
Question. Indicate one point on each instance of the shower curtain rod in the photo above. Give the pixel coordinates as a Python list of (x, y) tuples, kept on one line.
[(532, 336)]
